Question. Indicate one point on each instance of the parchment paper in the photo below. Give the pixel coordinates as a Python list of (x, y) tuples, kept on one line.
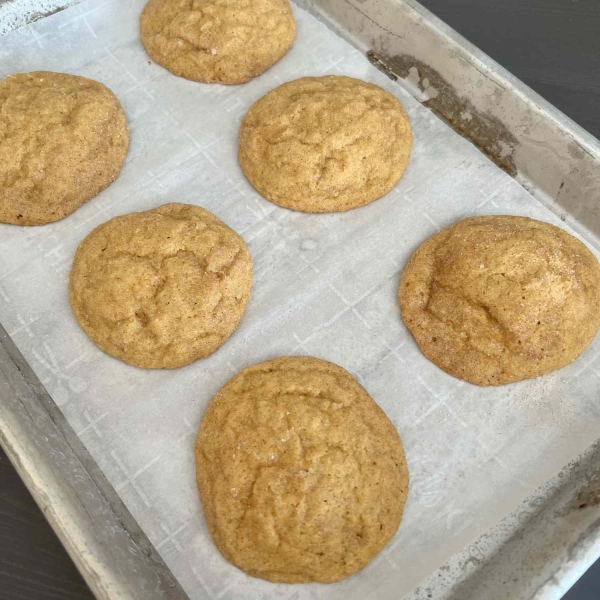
[(324, 285)]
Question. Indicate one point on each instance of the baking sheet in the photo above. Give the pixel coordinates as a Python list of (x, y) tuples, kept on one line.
[(324, 285)]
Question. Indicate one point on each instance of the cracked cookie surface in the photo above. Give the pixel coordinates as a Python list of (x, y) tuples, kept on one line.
[(63, 139), (302, 476), (162, 288), (221, 41), (499, 299), (325, 144)]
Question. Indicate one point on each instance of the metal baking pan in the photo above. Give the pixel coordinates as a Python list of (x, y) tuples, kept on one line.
[(536, 551)]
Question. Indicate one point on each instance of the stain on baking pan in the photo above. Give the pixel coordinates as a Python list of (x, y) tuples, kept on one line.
[(36, 15), (590, 495), (487, 132), (30, 16)]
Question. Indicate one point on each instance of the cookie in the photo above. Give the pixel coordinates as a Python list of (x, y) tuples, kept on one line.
[(301, 475), (162, 288), (325, 144), (63, 139), (494, 300), (217, 40)]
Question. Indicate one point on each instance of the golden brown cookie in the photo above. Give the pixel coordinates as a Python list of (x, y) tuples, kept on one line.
[(325, 144), (222, 41), (63, 139), (494, 300), (301, 475), (160, 289)]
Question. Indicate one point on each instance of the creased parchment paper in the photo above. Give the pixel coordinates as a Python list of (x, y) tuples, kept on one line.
[(324, 285)]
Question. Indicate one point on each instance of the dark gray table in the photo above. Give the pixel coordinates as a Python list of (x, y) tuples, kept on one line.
[(554, 47)]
